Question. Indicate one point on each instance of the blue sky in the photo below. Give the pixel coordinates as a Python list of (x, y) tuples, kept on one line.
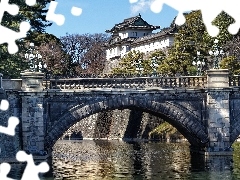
[(100, 15)]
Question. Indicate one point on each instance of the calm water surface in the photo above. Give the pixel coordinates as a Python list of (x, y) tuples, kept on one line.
[(136, 160), (90, 160)]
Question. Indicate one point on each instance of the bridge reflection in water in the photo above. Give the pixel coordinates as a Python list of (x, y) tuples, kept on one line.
[(135, 160)]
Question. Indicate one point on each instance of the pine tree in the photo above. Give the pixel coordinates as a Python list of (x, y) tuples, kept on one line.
[(191, 38), (131, 63), (12, 65)]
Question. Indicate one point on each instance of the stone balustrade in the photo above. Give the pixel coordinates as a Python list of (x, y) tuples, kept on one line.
[(89, 82), (126, 82), (12, 84), (234, 81)]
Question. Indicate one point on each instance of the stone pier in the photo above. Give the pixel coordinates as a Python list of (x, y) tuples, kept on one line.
[(218, 113), (33, 131)]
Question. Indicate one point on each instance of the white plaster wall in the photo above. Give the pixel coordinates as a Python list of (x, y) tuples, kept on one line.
[(160, 43), (112, 52), (108, 54), (118, 50), (123, 34), (124, 50), (153, 45), (132, 33)]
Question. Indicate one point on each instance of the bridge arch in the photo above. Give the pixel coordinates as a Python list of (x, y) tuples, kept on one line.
[(184, 120)]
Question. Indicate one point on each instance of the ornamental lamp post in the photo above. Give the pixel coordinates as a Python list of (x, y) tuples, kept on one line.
[(34, 59), (199, 64), (36, 65), (217, 52), (29, 56)]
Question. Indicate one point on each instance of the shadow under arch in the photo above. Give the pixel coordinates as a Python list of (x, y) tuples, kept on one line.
[(182, 119)]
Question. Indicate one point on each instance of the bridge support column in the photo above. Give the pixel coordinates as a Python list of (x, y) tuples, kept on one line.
[(32, 113), (218, 112)]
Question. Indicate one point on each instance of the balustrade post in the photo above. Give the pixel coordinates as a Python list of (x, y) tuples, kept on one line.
[(177, 82), (32, 81), (218, 78)]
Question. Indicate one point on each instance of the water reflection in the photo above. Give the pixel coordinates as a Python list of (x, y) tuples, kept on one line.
[(113, 160), (117, 159)]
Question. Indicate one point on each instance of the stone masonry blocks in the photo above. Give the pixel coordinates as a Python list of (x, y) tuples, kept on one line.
[(33, 123), (218, 115)]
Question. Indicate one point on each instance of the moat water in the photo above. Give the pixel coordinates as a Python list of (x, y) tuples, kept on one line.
[(90, 160)]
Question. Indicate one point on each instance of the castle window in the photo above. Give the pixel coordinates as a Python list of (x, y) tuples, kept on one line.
[(134, 34)]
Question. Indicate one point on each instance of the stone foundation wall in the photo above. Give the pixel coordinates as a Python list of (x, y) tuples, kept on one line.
[(115, 124)]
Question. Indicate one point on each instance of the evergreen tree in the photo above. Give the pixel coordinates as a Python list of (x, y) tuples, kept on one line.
[(232, 64), (156, 59), (131, 63), (134, 62), (12, 65), (191, 38)]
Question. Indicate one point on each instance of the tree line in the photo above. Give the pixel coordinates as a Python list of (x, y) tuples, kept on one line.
[(70, 55), (76, 54), (191, 43)]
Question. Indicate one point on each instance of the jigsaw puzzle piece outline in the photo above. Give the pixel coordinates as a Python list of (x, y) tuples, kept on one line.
[(12, 9), (12, 36), (7, 35), (4, 170), (31, 169), (30, 2), (179, 5), (10, 129), (59, 19), (12, 121), (234, 13), (4, 105), (210, 10), (76, 11)]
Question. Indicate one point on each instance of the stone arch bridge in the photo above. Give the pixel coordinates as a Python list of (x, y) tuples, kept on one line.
[(205, 110)]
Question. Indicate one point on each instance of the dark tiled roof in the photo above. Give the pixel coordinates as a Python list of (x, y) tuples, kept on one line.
[(162, 33), (112, 41), (131, 23)]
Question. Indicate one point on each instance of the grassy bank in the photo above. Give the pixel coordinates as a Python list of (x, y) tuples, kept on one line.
[(165, 132)]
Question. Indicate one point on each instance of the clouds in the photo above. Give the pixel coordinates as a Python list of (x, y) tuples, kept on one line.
[(139, 6), (133, 1)]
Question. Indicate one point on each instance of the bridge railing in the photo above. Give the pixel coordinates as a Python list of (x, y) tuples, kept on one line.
[(126, 83)]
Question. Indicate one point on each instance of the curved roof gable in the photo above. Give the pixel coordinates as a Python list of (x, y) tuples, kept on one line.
[(132, 23)]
